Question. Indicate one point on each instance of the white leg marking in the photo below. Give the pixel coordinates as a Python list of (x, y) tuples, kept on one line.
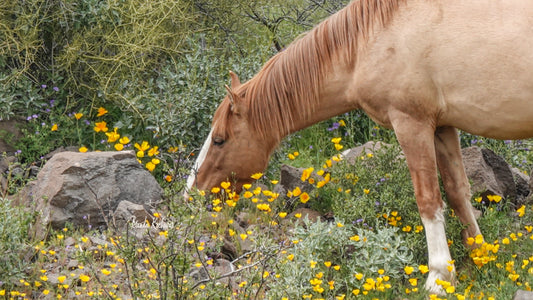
[(201, 157), (438, 252)]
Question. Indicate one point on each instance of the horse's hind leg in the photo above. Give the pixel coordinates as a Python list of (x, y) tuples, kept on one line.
[(417, 140), (454, 179)]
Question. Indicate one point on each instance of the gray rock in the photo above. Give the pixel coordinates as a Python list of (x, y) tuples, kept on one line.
[(129, 213), (488, 173), (85, 189), (371, 147), (523, 295), (9, 134), (222, 268), (522, 186)]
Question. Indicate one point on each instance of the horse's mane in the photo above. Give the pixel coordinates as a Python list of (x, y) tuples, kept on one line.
[(287, 85)]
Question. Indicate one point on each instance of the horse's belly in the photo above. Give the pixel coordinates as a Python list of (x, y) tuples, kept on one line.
[(499, 119)]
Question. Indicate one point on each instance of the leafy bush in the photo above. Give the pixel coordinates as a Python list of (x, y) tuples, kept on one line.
[(339, 252), (15, 243)]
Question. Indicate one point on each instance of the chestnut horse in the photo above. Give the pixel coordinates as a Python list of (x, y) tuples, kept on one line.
[(420, 67)]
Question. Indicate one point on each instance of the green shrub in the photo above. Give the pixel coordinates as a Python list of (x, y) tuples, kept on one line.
[(15, 243)]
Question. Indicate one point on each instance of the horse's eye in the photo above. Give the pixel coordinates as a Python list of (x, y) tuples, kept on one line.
[(218, 141)]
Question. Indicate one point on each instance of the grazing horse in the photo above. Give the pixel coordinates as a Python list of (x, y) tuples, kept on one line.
[(420, 67)]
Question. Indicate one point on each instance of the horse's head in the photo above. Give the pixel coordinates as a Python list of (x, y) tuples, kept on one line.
[(233, 151)]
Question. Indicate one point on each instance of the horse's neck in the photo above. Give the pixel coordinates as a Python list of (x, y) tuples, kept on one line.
[(336, 97)]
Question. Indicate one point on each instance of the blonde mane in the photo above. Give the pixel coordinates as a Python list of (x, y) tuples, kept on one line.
[(288, 83)]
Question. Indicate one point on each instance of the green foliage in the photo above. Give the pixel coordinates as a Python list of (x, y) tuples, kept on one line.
[(339, 252), (15, 244)]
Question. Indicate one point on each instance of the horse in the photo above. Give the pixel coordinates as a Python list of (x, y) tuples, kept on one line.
[(423, 68)]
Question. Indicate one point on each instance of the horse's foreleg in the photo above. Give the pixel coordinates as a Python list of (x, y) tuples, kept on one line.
[(417, 141), (454, 179)]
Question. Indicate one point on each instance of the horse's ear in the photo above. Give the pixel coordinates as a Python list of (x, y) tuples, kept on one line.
[(235, 82), (232, 98)]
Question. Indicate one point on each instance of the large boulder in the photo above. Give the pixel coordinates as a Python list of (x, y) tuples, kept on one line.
[(490, 174), (87, 189)]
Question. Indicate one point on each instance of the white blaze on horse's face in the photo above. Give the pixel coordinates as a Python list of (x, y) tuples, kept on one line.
[(232, 151), (201, 157)]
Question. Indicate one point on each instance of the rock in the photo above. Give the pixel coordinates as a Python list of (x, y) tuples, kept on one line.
[(351, 155), (85, 189), (228, 249), (310, 214), (128, 213), (523, 295), (522, 186), (59, 150), (488, 173), (290, 178), (5, 162), (9, 134), (222, 267)]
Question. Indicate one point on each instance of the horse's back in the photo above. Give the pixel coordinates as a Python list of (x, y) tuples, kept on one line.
[(472, 61)]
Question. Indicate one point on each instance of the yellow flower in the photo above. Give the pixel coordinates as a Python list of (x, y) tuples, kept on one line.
[(153, 151), (479, 239), (225, 184), (78, 116), (336, 140), (307, 173), (54, 127), (256, 176), (521, 211), (243, 236), (140, 154), (150, 166), (101, 111), (264, 207), (44, 278), (304, 197), (282, 214), (408, 270), (366, 191), (119, 147), (423, 269), (113, 136), (494, 198), (338, 147), (156, 161), (61, 279), (84, 278), (142, 147), (291, 156), (124, 140), (312, 264), (168, 178), (413, 281), (296, 192), (298, 215), (83, 149), (355, 238), (100, 126)]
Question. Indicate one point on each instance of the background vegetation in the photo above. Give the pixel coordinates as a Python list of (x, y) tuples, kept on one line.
[(152, 72)]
